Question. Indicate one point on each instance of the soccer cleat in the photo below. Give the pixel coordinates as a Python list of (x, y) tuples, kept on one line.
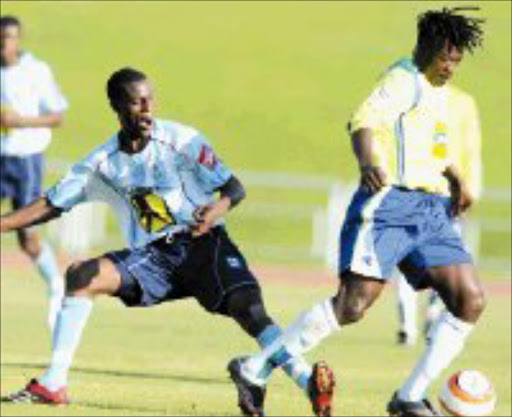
[(35, 393), (250, 396), (400, 408), (321, 389)]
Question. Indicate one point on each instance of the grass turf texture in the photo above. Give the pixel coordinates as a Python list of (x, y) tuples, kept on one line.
[(170, 360), (272, 84)]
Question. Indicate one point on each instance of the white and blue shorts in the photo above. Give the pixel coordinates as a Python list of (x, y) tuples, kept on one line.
[(399, 227)]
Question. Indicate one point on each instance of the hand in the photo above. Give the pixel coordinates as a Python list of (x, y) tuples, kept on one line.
[(373, 178), (461, 198), (205, 216), (205, 220)]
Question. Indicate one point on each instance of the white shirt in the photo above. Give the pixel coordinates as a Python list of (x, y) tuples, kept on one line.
[(154, 192), (29, 89)]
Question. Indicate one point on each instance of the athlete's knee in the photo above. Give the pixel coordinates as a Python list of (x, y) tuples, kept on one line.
[(473, 301), (246, 307), (80, 275), (470, 299)]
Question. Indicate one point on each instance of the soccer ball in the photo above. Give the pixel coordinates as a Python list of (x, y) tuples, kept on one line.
[(467, 393)]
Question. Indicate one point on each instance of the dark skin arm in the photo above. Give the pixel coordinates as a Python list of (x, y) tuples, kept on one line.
[(461, 198), (40, 211), (231, 194), (373, 177)]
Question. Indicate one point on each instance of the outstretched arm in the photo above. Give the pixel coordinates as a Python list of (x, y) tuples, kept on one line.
[(40, 211)]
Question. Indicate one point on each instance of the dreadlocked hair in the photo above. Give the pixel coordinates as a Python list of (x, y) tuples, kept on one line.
[(436, 27)]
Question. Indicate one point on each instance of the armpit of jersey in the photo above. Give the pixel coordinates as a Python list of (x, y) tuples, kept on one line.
[(394, 94)]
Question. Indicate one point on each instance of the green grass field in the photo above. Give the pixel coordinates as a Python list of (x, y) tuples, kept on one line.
[(170, 360), (273, 85)]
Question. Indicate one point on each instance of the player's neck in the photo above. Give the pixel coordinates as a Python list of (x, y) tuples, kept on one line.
[(131, 145)]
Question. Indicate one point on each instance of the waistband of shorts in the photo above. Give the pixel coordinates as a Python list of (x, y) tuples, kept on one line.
[(420, 189)]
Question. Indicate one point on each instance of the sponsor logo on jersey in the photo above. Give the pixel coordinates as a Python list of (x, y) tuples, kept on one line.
[(207, 157)]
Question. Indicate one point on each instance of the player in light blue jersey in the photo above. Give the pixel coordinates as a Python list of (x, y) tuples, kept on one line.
[(161, 178), (31, 104), (401, 215)]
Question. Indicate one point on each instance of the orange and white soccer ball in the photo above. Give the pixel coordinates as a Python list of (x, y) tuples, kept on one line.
[(467, 393)]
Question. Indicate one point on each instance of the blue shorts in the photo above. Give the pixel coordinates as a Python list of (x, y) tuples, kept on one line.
[(399, 227), (21, 178), (207, 268)]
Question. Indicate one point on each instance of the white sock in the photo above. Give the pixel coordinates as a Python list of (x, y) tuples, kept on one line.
[(447, 338), (407, 307), (308, 331), (434, 307), (70, 323), (47, 266)]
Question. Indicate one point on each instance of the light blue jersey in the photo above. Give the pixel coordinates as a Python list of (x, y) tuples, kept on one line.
[(154, 192)]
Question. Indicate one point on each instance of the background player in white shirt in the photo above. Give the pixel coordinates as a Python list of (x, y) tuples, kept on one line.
[(31, 104), (465, 148), (401, 215), (161, 178)]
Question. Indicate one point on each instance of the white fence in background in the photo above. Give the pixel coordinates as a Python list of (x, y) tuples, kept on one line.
[(86, 225)]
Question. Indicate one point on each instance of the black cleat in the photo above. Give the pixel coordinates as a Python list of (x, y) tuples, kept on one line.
[(400, 408), (250, 396), (321, 389)]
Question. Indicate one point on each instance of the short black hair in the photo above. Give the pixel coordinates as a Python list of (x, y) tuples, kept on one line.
[(436, 27), (118, 80), (9, 20)]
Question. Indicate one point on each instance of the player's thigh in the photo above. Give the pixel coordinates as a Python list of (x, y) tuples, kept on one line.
[(460, 288), (93, 277), (356, 293)]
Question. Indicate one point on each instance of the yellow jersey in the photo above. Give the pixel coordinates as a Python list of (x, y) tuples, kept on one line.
[(418, 129)]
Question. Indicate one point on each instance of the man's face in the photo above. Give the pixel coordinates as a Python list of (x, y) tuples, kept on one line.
[(135, 109), (10, 41), (444, 64)]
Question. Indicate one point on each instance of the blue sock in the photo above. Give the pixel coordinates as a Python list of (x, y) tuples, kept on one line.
[(295, 367), (70, 323), (47, 266)]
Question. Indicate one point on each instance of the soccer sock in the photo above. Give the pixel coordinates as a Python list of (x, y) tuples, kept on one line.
[(296, 368), (308, 331), (434, 307), (447, 338), (47, 266), (407, 307), (70, 323)]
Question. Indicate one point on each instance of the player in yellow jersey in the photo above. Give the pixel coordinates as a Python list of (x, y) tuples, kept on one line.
[(463, 124), (400, 216)]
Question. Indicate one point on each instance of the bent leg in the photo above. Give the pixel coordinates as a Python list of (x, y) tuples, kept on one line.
[(84, 281), (463, 295), (246, 306), (355, 295)]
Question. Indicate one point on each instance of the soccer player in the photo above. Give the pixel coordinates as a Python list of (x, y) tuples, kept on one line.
[(160, 177), (399, 215), (465, 148), (31, 104)]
